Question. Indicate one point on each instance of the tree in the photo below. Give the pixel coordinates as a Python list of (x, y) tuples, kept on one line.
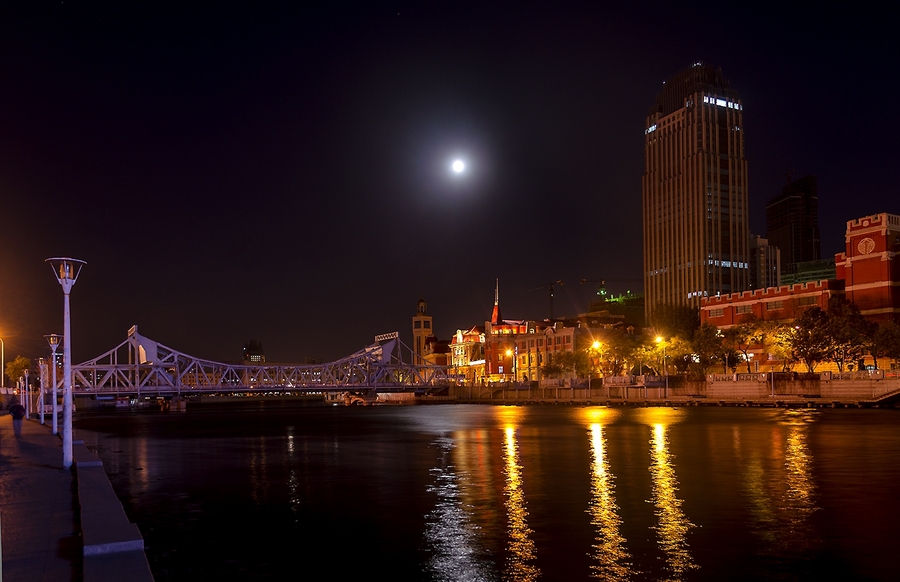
[(885, 341), (616, 348), (848, 331), (740, 337), (16, 368), (776, 339), (707, 347), (810, 342), (680, 354)]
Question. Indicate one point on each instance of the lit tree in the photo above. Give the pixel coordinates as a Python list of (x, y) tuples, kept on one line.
[(617, 348), (848, 331), (810, 342), (743, 335), (16, 368)]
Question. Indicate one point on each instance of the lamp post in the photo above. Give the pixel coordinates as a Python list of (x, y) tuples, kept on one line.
[(66, 271), (27, 397), (43, 389), (2, 363), (53, 339), (659, 340)]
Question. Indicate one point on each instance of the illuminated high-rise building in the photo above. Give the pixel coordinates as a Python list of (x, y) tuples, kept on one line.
[(696, 236)]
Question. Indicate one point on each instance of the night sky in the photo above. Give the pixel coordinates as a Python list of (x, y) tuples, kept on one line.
[(239, 170)]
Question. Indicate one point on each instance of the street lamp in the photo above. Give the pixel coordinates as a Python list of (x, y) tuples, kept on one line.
[(595, 356), (27, 397), (659, 340), (66, 271), (43, 388), (53, 339)]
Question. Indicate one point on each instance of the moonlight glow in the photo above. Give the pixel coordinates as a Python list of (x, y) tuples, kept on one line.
[(458, 166)]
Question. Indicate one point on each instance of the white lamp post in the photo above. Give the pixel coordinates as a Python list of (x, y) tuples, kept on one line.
[(27, 397), (66, 271), (43, 375), (53, 339)]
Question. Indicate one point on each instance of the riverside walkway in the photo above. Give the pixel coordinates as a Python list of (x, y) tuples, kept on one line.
[(42, 516)]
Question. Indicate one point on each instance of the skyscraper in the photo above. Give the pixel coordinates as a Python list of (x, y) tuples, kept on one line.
[(696, 234), (792, 224)]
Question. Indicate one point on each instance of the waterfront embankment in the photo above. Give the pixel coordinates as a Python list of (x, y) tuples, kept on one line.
[(60, 524), (716, 390)]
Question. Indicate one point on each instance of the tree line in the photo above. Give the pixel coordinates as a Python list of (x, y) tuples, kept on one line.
[(839, 335)]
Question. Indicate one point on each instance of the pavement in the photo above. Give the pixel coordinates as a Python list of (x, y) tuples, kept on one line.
[(39, 512), (57, 524)]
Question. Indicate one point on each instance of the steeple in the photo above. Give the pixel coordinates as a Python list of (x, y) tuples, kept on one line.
[(495, 314)]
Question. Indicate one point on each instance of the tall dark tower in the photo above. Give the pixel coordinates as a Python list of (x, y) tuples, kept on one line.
[(792, 223), (696, 235)]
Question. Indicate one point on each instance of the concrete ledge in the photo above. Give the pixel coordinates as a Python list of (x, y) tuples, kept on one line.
[(112, 544), (84, 457)]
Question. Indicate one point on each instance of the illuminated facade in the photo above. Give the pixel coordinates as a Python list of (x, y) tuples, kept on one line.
[(870, 266), (695, 218), (868, 275), (467, 354)]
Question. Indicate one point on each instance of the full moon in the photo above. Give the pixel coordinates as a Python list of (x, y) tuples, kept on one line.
[(458, 166)]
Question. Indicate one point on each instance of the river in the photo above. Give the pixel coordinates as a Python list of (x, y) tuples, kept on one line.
[(477, 492)]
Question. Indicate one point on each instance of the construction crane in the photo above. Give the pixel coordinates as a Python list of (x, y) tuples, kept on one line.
[(549, 287)]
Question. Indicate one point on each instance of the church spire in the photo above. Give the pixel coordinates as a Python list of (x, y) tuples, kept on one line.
[(495, 314)]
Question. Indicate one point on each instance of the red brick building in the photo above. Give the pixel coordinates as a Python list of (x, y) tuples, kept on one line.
[(868, 274), (870, 266)]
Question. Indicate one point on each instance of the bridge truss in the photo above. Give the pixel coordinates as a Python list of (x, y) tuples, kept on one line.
[(141, 366)]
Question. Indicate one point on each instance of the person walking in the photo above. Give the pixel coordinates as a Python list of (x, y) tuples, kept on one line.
[(17, 411)]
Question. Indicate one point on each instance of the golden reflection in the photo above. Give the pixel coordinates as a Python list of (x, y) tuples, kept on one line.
[(673, 524), (609, 554), (521, 546), (593, 415), (798, 502)]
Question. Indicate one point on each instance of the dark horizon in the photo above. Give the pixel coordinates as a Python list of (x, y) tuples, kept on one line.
[(281, 172)]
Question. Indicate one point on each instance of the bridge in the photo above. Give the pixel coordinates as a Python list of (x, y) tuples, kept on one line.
[(140, 366)]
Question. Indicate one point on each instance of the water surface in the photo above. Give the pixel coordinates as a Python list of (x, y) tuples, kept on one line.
[(467, 492)]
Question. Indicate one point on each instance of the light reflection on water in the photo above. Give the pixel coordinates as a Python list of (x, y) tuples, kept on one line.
[(512, 493), (451, 537), (519, 562), (673, 525), (610, 556)]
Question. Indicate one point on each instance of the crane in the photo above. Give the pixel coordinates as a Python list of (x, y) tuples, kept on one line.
[(549, 287)]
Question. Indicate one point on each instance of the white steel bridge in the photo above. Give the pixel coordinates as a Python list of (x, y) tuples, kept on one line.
[(140, 366)]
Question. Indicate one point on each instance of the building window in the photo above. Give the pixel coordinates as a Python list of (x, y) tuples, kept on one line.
[(773, 305), (810, 300), (417, 324), (427, 324), (717, 312), (743, 309)]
